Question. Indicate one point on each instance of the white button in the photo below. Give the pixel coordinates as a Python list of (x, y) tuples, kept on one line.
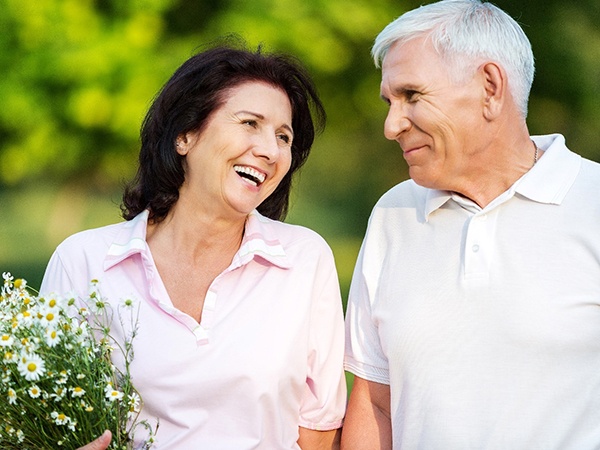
[(475, 248)]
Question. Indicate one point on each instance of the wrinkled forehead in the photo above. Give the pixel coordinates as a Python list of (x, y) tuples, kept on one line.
[(418, 58)]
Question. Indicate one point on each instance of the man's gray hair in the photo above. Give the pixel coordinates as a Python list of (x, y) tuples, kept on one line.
[(465, 32)]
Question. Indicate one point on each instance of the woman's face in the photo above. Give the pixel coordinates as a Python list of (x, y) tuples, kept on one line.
[(242, 153)]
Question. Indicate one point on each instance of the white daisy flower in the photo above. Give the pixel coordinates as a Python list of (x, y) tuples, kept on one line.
[(54, 302), (25, 318), (12, 396), (10, 357), (63, 377), (128, 303), (29, 345), (6, 340), (133, 402), (31, 366), (52, 337), (60, 418), (14, 323), (49, 317), (86, 407), (112, 394), (59, 394), (77, 391), (34, 391), (7, 278)]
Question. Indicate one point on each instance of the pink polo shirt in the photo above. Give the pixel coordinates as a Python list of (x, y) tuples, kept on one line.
[(267, 355)]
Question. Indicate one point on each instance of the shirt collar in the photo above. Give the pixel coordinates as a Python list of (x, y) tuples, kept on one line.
[(546, 182), (553, 175), (129, 241), (259, 240)]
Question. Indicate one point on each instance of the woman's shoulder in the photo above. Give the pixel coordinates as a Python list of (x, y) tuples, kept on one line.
[(92, 238), (290, 234)]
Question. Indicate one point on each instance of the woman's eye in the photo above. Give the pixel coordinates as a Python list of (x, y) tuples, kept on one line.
[(284, 137), (250, 122)]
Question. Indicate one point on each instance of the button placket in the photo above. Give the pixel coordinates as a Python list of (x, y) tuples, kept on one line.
[(477, 247)]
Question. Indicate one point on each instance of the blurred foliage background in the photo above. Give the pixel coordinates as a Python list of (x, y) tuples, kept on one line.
[(78, 76)]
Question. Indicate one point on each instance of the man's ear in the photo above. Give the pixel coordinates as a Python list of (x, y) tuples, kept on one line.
[(495, 87)]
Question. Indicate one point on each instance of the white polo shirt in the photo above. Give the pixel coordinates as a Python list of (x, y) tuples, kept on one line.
[(485, 322), (267, 356)]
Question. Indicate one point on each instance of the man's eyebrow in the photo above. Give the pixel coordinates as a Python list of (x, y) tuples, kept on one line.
[(401, 91)]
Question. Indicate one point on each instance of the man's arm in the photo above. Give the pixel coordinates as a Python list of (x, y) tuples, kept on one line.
[(319, 440), (367, 425)]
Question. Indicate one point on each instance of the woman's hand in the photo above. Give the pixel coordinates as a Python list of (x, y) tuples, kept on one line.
[(101, 443)]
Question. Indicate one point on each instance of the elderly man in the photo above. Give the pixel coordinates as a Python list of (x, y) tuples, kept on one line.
[(474, 314)]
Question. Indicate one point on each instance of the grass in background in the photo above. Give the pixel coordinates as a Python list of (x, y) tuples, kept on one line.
[(36, 218)]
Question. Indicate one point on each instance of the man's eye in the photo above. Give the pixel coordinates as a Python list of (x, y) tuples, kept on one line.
[(412, 96)]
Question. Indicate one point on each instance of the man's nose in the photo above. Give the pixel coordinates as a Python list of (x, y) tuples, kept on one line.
[(396, 122)]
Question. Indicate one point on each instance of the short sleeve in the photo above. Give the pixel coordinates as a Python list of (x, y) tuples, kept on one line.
[(324, 400), (364, 355), (56, 278), (72, 266)]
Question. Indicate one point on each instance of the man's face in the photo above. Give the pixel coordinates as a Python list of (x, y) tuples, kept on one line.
[(437, 121)]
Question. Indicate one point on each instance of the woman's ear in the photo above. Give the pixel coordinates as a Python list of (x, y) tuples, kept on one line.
[(182, 144), (496, 89)]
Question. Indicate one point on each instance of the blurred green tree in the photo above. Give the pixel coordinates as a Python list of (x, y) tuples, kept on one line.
[(78, 76)]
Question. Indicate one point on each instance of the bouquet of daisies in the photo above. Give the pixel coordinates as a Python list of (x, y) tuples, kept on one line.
[(58, 387)]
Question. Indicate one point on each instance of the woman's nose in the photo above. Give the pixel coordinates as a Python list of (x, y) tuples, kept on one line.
[(267, 147)]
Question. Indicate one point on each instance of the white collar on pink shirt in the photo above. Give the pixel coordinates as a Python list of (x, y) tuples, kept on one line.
[(260, 239)]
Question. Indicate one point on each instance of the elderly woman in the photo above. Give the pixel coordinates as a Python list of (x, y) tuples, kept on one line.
[(240, 332)]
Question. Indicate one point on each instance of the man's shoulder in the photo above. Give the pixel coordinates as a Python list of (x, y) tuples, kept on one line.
[(403, 195), (591, 167)]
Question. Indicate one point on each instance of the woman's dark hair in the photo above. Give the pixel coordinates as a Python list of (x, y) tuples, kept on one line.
[(185, 103)]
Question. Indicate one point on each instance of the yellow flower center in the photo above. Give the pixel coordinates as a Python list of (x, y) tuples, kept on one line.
[(32, 367)]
